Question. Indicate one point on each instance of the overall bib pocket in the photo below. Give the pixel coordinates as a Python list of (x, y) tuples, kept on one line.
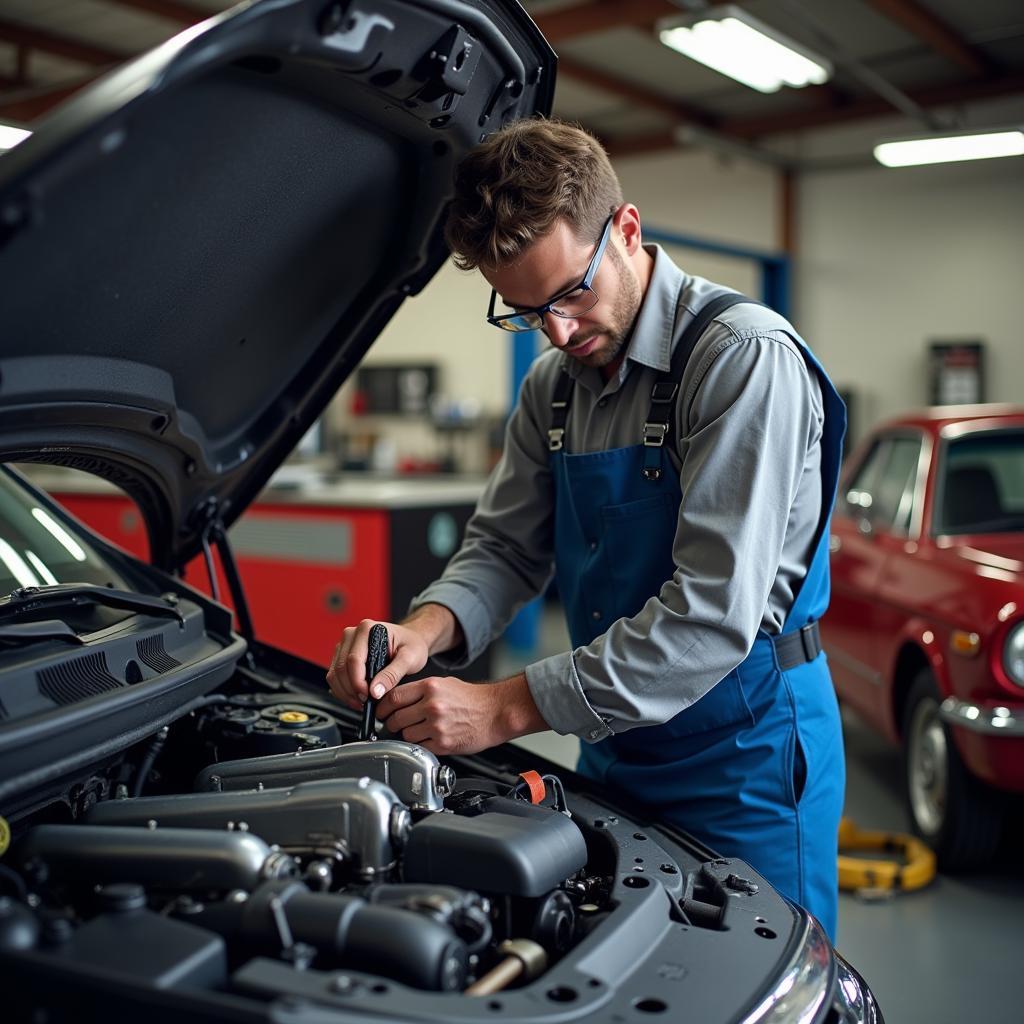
[(631, 554)]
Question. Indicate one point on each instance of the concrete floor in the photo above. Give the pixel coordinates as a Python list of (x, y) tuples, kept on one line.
[(946, 954)]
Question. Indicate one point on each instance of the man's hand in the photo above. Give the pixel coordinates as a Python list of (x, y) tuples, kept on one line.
[(449, 716), (428, 630), (346, 677)]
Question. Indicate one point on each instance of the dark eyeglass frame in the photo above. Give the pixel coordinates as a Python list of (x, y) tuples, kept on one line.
[(506, 322)]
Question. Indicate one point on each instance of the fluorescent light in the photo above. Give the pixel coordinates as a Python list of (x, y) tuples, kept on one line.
[(60, 534), (11, 136), (44, 574), (950, 148), (734, 43), (16, 565)]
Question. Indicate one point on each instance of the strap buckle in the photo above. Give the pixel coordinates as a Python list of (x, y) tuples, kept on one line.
[(555, 435), (654, 434), (810, 640)]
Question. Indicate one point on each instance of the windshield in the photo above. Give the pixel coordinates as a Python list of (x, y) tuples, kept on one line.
[(38, 549), (982, 487)]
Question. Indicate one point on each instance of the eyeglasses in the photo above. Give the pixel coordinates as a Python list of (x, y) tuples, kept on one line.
[(573, 302)]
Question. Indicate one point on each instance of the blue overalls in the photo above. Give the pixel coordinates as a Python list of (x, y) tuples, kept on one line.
[(755, 768)]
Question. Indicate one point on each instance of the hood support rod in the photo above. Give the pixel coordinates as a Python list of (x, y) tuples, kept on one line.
[(214, 532)]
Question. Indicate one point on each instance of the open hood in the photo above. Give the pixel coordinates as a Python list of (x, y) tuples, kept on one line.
[(198, 249)]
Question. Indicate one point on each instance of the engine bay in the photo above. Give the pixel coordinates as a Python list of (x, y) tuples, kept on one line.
[(254, 847)]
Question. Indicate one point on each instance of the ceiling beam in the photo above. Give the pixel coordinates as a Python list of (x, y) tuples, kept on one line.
[(601, 15), (29, 106), (933, 31), (936, 96), (635, 145), (59, 46), (172, 10), (637, 94)]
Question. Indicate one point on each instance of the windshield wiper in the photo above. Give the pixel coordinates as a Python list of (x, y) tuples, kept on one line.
[(26, 601)]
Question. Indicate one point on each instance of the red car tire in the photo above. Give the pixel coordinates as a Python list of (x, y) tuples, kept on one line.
[(956, 814)]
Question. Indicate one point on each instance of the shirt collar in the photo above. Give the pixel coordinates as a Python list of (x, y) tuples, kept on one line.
[(651, 344), (655, 328)]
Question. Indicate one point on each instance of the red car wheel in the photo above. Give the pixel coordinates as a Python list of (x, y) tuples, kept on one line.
[(958, 816)]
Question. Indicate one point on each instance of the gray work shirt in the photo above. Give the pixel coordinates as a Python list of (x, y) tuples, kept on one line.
[(749, 428)]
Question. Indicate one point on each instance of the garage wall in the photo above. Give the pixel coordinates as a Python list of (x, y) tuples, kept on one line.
[(890, 259), (887, 261)]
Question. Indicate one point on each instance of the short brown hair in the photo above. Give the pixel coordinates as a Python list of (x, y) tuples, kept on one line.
[(511, 189)]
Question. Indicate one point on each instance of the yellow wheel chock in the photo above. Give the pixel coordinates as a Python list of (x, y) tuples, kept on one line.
[(914, 868)]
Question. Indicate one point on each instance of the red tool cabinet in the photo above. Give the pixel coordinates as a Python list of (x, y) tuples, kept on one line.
[(313, 559)]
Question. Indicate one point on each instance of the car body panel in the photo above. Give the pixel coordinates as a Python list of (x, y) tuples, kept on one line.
[(900, 595)]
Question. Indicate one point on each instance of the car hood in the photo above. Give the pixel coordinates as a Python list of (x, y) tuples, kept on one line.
[(198, 249)]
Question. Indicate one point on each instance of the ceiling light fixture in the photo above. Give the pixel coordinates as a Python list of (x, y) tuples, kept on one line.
[(951, 147), (734, 43), (11, 136)]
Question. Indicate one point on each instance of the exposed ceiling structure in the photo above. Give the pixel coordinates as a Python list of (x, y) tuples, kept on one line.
[(935, 62)]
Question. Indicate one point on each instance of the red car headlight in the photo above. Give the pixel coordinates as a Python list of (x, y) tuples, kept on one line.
[(1013, 654)]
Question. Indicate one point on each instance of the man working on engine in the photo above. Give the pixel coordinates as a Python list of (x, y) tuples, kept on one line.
[(687, 526)]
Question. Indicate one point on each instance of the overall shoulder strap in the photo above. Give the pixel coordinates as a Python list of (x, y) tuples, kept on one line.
[(661, 418), (560, 410)]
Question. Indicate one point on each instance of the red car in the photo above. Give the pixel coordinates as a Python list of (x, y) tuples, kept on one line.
[(925, 633)]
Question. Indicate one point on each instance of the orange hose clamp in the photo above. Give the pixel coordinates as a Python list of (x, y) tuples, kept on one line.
[(536, 784)]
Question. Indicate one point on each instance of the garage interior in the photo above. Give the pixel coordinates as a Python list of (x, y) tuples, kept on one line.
[(904, 280)]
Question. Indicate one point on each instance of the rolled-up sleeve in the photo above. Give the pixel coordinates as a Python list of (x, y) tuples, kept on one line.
[(751, 432)]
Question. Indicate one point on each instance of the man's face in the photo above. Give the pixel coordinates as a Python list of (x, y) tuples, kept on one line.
[(555, 263)]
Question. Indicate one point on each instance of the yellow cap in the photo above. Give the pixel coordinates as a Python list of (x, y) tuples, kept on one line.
[(5, 836), (293, 717)]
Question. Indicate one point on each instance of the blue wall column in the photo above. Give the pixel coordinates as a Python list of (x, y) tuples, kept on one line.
[(774, 266), (522, 631)]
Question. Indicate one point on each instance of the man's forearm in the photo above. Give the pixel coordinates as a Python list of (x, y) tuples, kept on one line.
[(519, 713), (438, 627)]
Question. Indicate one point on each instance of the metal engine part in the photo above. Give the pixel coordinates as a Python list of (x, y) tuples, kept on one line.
[(415, 774), (169, 858), (359, 821), (344, 931)]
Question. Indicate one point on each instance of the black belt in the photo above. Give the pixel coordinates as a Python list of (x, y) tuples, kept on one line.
[(793, 649)]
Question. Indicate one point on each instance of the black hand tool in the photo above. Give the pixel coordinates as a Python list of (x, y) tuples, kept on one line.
[(376, 659)]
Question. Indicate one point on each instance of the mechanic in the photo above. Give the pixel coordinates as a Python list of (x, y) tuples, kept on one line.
[(687, 528)]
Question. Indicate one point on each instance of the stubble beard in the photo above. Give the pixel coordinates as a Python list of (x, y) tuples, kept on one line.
[(622, 317)]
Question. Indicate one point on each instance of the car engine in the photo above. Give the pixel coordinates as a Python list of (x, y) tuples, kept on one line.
[(249, 829)]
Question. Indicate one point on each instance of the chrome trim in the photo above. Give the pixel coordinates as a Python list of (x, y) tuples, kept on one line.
[(193, 859), (412, 771), (804, 984), (358, 820), (853, 1002), (998, 721), (924, 461), (990, 423), (853, 665)]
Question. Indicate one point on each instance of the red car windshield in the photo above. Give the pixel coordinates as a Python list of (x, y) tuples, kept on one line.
[(982, 485)]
